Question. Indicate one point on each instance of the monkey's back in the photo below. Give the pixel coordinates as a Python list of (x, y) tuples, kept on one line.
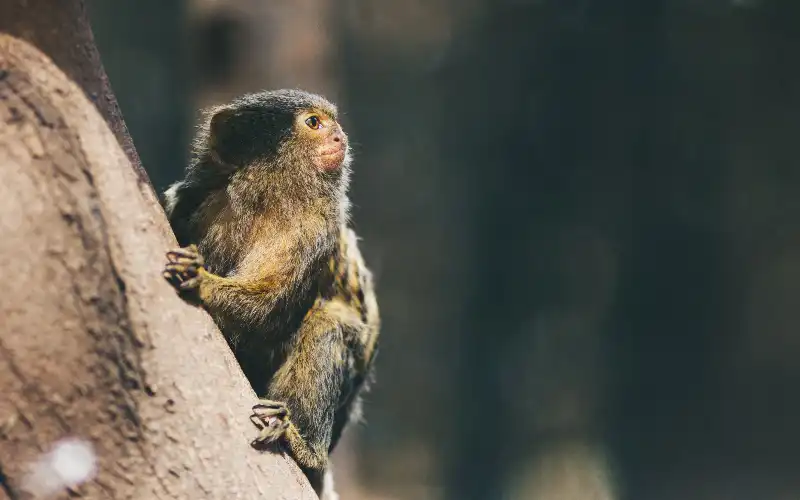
[(353, 286)]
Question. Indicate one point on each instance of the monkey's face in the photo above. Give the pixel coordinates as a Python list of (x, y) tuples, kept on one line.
[(321, 138), (278, 131)]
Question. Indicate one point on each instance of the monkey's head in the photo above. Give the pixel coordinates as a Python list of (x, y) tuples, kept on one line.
[(281, 139)]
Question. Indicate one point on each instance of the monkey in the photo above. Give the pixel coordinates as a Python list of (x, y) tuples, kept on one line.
[(262, 218)]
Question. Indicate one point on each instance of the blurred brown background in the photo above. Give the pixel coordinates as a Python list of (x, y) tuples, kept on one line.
[(584, 218)]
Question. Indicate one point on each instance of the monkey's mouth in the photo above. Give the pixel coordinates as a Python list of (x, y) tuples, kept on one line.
[(331, 158)]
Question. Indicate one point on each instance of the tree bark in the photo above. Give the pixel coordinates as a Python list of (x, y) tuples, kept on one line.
[(95, 345), (62, 31)]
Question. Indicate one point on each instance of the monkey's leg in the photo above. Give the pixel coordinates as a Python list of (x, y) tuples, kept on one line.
[(305, 391)]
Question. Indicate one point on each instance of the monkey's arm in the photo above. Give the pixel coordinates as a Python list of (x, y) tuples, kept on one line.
[(248, 297)]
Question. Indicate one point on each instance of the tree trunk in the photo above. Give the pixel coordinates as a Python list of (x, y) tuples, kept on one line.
[(95, 345), (63, 32)]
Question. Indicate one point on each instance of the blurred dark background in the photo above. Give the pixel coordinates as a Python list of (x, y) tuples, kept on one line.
[(584, 218)]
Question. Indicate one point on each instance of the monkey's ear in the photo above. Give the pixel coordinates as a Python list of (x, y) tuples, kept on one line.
[(219, 117), (238, 136), (221, 135)]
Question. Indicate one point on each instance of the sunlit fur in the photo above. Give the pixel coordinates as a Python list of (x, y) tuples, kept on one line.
[(283, 277)]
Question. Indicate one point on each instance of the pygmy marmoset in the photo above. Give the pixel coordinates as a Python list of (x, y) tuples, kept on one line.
[(262, 219)]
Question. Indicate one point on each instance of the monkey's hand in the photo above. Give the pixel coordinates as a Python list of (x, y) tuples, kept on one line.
[(184, 271), (272, 418)]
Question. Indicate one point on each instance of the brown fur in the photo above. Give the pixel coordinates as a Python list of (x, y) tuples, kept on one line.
[(274, 262)]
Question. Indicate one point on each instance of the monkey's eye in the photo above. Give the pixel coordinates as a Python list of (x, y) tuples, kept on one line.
[(314, 122)]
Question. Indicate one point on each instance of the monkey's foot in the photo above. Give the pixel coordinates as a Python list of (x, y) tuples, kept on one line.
[(183, 268), (272, 418)]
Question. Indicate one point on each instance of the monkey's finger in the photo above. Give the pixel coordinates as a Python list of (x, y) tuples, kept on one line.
[(268, 408), (176, 267), (269, 403), (175, 254), (184, 260), (173, 278), (190, 283), (173, 259), (182, 268), (257, 421), (269, 434), (187, 249), (186, 253)]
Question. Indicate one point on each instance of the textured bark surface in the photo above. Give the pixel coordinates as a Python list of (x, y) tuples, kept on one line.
[(94, 344), (62, 31)]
